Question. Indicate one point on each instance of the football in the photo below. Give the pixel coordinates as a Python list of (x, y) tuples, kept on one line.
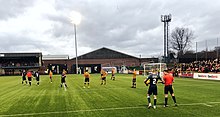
[(148, 82)]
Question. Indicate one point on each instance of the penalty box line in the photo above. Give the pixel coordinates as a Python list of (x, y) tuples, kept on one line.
[(105, 109)]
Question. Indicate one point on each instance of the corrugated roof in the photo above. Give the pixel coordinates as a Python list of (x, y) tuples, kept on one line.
[(20, 54), (104, 53), (55, 57)]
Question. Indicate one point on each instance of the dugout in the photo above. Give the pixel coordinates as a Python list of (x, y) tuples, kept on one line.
[(92, 68), (57, 68), (14, 63)]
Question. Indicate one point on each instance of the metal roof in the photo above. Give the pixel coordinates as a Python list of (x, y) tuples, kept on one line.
[(105, 53), (55, 57), (20, 54)]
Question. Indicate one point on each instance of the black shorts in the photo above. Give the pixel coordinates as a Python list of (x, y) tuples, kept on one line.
[(23, 78), (103, 78), (29, 78), (152, 89), (134, 80), (168, 88), (37, 78), (86, 79), (63, 80)]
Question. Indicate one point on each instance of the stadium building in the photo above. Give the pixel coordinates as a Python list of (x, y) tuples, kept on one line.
[(93, 61), (14, 63), (56, 63)]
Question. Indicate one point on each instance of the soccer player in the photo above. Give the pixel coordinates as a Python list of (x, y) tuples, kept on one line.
[(23, 74), (37, 75), (50, 74), (113, 74), (168, 81), (63, 80), (154, 77), (103, 77), (87, 77), (29, 75), (134, 79), (64, 71)]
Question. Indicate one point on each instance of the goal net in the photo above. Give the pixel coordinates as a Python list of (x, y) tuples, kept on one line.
[(159, 67)]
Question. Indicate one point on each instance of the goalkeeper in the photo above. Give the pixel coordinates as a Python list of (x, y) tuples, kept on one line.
[(152, 80)]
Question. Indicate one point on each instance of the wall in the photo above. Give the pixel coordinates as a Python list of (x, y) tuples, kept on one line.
[(103, 62)]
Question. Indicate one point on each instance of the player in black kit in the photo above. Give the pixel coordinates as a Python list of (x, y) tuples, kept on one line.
[(152, 80), (37, 76), (63, 81), (23, 74)]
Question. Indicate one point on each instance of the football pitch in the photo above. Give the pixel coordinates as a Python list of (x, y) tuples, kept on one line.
[(198, 98)]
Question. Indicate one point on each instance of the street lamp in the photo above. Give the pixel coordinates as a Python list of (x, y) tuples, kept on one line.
[(75, 18)]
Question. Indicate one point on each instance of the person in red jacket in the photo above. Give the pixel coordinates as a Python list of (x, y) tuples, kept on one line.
[(168, 82), (29, 75)]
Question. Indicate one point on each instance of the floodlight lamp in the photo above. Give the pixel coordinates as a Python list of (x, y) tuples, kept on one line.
[(161, 18), (170, 16), (75, 17)]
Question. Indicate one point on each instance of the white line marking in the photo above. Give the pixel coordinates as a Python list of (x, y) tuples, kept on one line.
[(104, 89), (192, 104), (207, 105), (195, 104), (105, 109), (214, 102), (76, 111)]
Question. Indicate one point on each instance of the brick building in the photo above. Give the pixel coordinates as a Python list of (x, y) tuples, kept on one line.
[(103, 57)]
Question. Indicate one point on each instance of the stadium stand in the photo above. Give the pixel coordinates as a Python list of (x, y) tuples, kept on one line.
[(14, 63), (187, 69)]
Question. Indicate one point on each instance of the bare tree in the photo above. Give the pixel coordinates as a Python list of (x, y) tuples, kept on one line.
[(181, 39)]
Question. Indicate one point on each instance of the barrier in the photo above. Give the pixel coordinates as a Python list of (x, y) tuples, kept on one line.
[(186, 75), (208, 76)]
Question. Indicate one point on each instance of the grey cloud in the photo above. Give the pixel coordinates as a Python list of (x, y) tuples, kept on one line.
[(130, 26), (12, 8), (115, 27), (12, 42)]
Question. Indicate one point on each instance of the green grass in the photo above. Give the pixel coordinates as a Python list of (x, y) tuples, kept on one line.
[(195, 98)]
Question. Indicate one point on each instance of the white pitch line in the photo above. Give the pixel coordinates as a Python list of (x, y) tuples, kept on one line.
[(104, 89), (76, 111), (214, 102), (192, 104), (104, 109), (208, 105), (195, 104)]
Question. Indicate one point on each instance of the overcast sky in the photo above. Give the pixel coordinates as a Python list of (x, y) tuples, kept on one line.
[(129, 26)]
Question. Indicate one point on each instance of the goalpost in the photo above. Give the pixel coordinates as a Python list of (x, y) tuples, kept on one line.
[(156, 66)]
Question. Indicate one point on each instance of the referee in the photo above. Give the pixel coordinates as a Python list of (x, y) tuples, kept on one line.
[(168, 81), (29, 75)]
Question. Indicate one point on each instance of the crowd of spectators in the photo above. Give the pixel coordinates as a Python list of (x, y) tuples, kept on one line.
[(197, 66), (17, 63)]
